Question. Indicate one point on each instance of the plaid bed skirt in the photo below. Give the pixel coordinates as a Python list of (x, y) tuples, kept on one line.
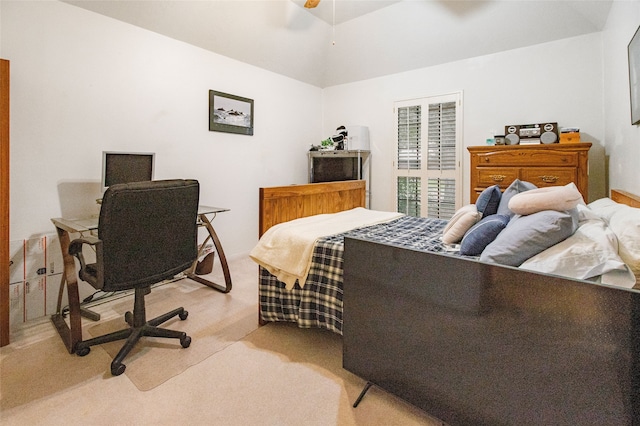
[(319, 302)]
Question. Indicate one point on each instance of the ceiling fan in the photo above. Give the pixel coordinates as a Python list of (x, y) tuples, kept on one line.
[(310, 4)]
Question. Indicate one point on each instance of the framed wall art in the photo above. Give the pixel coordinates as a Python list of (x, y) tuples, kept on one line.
[(230, 113), (634, 76)]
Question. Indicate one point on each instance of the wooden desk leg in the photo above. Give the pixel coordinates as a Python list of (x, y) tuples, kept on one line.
[(223, 261), (71, 334)]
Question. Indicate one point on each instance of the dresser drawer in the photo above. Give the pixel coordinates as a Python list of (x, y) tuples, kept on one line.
[(528, 157), (546, 176), (489, 176)]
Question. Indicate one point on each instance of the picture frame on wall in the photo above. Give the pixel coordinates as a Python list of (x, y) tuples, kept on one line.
[(634, 76), (230, 113)]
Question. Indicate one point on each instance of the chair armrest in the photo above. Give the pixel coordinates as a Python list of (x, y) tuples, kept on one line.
[(75, 247), (94, 274)]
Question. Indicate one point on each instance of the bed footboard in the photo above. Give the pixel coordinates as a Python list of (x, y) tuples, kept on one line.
[(475, 343)]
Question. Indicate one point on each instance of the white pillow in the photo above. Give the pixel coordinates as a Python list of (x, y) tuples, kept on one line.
[(574, 187), (591, 252), (603, 207), (624, 221), (558, 198), (460, 223)]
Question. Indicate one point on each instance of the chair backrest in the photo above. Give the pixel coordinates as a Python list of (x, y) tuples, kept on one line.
[(148, 231)]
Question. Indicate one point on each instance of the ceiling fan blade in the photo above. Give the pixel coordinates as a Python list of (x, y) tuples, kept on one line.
[(310, 4)]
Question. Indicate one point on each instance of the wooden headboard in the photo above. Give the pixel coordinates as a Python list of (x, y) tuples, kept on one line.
[(283, 203), (625, 197)]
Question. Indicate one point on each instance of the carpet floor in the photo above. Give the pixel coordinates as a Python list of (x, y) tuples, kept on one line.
[(277, 374)]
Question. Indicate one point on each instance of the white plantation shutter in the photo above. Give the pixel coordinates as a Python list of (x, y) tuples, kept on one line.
[(428, 168), (409, 137), (441, 198), (441, 140)]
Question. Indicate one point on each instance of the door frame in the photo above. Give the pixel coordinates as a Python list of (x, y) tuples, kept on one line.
[(4, 202)]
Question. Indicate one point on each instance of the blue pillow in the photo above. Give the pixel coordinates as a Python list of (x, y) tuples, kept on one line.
[(529, 235), (482, 234), (488, 201), (516, 187)]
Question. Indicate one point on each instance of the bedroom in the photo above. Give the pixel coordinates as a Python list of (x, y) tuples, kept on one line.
[(89, 83), (75, 103)]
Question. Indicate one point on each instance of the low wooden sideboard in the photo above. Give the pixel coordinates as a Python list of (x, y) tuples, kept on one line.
[(543, 165)]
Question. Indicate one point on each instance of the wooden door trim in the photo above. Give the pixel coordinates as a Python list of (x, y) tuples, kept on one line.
[(4, 202)]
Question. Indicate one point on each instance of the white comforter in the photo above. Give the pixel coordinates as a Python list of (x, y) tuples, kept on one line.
[(286, 249)]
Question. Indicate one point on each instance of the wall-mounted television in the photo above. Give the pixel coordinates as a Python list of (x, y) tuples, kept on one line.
[(634, 76), (126, 167)]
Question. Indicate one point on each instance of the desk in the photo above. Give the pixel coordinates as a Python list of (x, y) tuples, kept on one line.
[(72, 334), (203, 220)]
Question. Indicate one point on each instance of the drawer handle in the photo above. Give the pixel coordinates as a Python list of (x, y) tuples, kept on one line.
[(549, 179), (498, 178)]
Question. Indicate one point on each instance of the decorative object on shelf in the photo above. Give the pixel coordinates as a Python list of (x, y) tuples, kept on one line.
[(341, 138), (634, 76), (230, 113), (327, 145), (335, 142), (569, 135), (358, 138)]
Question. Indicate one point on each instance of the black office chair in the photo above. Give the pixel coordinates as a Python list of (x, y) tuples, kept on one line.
[(147, 233)]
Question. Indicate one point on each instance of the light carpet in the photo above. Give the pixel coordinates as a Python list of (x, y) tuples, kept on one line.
[(276, 375), (284, 375), (41, 368), (215, 321)]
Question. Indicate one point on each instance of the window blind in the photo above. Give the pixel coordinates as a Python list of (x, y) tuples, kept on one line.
[(441, 198), (409, 137), (428, 174), (441, 141), (408, 189)]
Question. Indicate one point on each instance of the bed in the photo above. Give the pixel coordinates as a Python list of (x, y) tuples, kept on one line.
[(474, 342), (317, 302), (285, 203)]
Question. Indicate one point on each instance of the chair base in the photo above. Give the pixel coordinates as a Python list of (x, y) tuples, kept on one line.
[(139, 327)]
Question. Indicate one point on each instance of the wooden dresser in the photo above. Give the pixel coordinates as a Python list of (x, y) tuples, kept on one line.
[(543, 165)]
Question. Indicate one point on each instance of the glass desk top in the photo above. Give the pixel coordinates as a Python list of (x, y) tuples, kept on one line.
[(91, 223)]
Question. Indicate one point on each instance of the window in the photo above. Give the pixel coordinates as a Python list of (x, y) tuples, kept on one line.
[(427, 168)]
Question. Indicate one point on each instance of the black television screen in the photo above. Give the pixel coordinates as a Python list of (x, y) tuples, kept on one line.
[(329, 169), (126, 167)]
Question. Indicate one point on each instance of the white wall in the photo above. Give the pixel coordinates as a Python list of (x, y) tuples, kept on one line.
[(622, 140), (559, 81), (82, 83)]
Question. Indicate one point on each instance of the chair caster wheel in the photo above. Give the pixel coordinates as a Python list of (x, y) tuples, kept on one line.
[(185, 341), (117, 369), (183, 316), (83, 351), (128, 317)]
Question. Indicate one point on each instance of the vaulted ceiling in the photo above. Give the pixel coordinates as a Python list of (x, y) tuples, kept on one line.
[(342, 41)]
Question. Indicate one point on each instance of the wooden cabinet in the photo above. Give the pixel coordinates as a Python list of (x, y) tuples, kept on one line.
[(543, 165)]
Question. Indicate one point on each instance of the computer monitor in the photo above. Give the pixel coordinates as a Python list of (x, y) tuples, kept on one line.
[(126, 167)]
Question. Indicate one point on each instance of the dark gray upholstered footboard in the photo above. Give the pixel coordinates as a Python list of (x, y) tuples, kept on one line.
[(475, 343)]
